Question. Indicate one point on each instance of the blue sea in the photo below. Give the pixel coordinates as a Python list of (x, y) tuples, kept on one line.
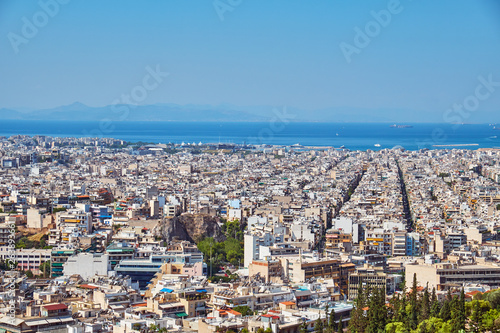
[(354, 136)]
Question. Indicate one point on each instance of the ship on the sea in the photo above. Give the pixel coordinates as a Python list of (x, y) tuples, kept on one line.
[(401, 126)]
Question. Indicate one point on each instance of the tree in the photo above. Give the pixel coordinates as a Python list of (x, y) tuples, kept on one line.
[(45, 268), (458, 313), (340, 327), (414, 304), (8, 265), (400, 308), (268, 330), (29, 274), (218, 253), (491, 320), (244, 310), (395, 327), (358, 321), (493, 297), (21, 244), (445, 312), (435, 305), (377, 313), (475, 311), (303, 328), (433, 325), (318, 325), (425, 307), (402, 284), (331, 319), (58, 209), (475, 317)]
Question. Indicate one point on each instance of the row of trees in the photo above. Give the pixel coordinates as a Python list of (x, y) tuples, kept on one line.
[(423, 312), (7, 265), (26, 243), (217, 254), (44, 271)]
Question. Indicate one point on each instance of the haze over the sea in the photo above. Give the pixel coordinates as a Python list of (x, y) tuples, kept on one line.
[(354, 136)]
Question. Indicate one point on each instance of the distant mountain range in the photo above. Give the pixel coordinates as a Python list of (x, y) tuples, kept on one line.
[(122, 112), (225, 112)]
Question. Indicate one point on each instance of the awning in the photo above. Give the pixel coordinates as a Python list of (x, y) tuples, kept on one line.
[(36, 322), (299, 293), (170, 305), (166, 290), (117, 307), (141, 308), (201, 290), (66, 319), (181, 314), (11, 321)]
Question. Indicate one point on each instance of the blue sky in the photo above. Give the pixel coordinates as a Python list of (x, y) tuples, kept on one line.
[(263, 52)]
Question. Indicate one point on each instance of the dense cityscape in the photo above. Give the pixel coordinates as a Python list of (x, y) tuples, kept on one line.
[(102, 235)]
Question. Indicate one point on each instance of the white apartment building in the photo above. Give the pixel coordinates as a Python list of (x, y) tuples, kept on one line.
[(27, 259)]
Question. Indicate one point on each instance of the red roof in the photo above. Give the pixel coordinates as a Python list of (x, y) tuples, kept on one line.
[(233, 312), (53, 307), (270, 316), (473, 293), (86, 286), (140, 304)]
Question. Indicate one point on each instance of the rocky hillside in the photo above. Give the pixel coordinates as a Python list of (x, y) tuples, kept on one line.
[(191, 227)]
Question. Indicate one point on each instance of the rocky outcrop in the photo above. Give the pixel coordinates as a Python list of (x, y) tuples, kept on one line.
[(191, 227)]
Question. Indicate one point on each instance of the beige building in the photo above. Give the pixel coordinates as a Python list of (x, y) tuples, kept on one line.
[(270, 270), (299, 271), (38, 220), (194, 303), (443, 275), (336, 240), (369, 278)]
